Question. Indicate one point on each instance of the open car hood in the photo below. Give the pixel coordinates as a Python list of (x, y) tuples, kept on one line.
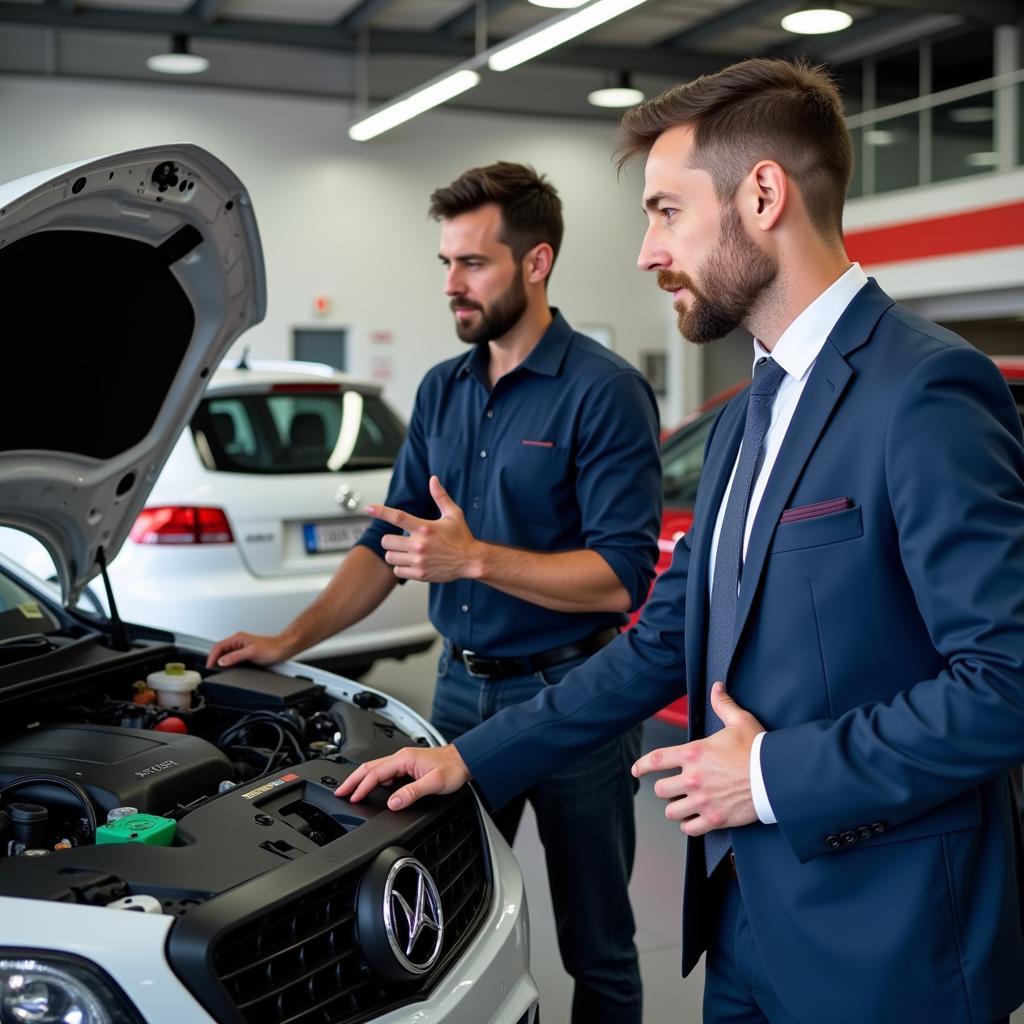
[(125, 280)]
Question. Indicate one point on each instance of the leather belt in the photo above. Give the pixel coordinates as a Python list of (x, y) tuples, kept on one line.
[(481, 667)]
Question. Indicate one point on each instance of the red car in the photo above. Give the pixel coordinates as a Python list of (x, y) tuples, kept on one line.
[(682, 459)]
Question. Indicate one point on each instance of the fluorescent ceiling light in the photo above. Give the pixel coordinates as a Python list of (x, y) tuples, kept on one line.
[(556, 31), (178, 61), (562, 4), (816, 22), (971, 115), (616, 96), (413, 104)]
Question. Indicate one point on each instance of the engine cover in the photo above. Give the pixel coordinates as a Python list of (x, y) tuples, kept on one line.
[(117, 767)]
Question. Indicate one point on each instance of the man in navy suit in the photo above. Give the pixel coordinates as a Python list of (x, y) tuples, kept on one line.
[(854, 578)]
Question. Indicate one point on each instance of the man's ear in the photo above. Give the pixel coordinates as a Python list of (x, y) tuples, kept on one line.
[(764, 195), (537, 263)]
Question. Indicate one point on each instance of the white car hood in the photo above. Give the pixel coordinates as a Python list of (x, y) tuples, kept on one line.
[(125, 279)]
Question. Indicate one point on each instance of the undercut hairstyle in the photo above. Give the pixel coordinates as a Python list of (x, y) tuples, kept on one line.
[(531, 211), (760, 109)]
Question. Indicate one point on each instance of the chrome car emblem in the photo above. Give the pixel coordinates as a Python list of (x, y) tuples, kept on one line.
[(347, 498), (413, 917)]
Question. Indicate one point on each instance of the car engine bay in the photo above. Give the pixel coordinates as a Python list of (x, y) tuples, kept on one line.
[(105, 795)]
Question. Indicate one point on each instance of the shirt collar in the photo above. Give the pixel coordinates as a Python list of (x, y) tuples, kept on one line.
[(546, 357), (805, 337)]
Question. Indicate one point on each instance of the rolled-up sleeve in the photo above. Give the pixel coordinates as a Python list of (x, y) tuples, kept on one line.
[(618, 481)]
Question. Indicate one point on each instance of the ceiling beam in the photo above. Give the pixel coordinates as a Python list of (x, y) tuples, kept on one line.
[(992, 12), (361, 15), (672, 63), (464, 23), (206, 11), (718, 24)]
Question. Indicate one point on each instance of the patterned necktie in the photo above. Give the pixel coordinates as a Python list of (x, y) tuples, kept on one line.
[(729, 559)]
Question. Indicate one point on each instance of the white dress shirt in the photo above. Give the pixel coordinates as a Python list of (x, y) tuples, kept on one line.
[(796, 352)]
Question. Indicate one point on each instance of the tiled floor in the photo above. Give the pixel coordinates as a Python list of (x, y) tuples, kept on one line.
[(656, 889)]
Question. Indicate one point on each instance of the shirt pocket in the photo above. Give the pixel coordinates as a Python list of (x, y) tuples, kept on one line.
[(817, 532)]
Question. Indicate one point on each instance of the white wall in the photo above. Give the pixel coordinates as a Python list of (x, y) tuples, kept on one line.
[(348, 220)]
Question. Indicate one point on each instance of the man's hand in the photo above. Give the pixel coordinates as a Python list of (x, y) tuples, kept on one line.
[(435, 769), (260, 650), (435, 550), (712, 788)]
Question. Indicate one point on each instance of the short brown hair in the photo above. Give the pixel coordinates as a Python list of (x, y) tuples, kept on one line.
[(531, 211), (760, 109)]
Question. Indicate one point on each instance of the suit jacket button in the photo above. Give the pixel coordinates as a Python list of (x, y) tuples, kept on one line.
[(864, 832), (833, 841), (878, 827), (849, 837)]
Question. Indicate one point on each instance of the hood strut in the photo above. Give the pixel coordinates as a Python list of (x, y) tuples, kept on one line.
[(118, 632)]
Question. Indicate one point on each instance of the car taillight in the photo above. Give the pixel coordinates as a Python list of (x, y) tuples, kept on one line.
[(176, 525)]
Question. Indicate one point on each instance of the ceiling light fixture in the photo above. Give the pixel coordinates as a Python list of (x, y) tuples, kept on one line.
[(622, 94), (971, 115), (983, 159), (879, 136), (414, 103), (556, 31), (178, 61), (818, 21)]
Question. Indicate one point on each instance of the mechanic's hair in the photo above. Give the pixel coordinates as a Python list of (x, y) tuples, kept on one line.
[(760, 109), (531, 211)]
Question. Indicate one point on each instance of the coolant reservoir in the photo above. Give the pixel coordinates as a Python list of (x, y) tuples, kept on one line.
[(174, 685)]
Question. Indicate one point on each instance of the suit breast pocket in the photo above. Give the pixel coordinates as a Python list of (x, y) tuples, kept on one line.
[(817, 532)]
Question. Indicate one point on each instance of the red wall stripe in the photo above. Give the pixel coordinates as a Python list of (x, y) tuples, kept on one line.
[(994, 227)]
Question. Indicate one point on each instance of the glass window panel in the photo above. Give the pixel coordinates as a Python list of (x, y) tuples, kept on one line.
[(894, 147), (857, 181), (897, 78), (963, 139), (849, 79), (962, 59)]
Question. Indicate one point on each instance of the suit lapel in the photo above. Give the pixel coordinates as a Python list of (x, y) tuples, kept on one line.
[(828, 381), (714, 478)]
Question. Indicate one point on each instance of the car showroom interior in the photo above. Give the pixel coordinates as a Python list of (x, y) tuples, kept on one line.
[(412, 408)]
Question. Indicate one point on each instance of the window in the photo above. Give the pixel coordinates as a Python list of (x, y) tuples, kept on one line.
[(682, 460), (297, 432)]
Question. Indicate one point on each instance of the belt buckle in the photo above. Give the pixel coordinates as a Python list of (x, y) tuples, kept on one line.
[(469, 659)]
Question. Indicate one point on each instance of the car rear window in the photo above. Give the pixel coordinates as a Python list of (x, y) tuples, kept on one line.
[(296, 432)]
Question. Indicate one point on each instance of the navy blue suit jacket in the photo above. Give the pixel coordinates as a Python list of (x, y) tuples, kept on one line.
[(882, 647)]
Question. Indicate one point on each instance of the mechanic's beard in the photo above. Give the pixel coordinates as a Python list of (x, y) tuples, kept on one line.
[(497, 319), (738, 272)]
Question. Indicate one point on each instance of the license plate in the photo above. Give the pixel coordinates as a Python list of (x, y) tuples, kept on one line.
[(340, 536)]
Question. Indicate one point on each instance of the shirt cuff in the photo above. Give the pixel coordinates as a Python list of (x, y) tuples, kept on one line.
[(761, 802)]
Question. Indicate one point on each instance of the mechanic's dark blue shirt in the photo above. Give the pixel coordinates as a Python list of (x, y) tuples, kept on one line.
[(561, 455)]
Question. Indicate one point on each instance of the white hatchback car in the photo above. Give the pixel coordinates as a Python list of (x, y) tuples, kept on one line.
[(171, 849), (258, 502)]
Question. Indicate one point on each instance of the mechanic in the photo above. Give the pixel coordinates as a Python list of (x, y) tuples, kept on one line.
[(527, 494)]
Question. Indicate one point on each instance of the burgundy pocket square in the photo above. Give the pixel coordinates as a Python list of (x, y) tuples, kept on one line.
[(818, 508)]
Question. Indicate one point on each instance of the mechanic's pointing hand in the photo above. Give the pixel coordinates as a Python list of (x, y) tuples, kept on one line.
[(435, 550), (435, 770)]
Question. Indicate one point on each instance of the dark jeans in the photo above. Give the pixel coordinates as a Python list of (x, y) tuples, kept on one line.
[(585, 820)]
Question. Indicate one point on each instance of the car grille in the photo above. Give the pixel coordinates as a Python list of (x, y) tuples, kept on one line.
[(300, 963)]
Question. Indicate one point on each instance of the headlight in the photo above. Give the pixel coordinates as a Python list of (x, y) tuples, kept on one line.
[(54, 989)]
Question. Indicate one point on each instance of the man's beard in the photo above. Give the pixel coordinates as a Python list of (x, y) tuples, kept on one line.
[(497, 319), (737, 271)]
